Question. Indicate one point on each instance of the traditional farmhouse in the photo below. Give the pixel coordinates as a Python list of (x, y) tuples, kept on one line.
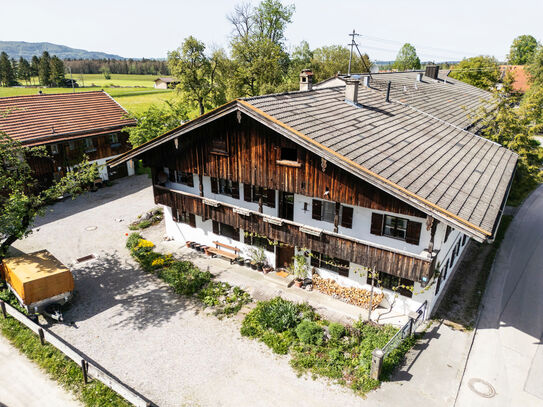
[(165, 83), (69, 125), (362, 176)]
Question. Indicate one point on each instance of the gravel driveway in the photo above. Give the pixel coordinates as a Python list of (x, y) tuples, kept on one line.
[(157, 342)]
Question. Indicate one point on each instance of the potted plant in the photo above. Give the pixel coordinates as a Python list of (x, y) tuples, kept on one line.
[(258, 258), (240, 261), (299, 269), (247, 262)]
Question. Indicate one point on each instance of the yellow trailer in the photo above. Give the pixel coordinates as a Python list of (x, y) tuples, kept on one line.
[(38, 280)]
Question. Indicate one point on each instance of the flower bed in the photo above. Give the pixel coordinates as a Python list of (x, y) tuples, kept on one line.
[(322, 347), (187, 279), (356, 296)]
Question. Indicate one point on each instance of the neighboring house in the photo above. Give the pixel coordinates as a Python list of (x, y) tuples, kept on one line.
[(359, 182), (520, 77), (69, 125), (165, 83)]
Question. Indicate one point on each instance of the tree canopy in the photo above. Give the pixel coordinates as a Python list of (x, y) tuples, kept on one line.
[(7, 74), (481, 71), (407, 58), (155, 121), (327, 61), (22, 199), (522, 50)]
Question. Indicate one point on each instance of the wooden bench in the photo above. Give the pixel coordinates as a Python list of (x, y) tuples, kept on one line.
[(217, 251)]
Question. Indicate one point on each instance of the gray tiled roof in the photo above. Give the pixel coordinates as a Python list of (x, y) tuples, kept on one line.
[(447, 98), (451, 168)]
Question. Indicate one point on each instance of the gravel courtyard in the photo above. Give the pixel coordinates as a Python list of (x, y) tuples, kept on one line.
[(153, 340)]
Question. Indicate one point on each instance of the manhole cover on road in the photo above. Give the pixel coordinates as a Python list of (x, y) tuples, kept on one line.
[(482, 388), (89, 228)]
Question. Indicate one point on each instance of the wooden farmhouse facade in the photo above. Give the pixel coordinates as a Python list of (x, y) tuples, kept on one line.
[(346, 175), (69, 125)]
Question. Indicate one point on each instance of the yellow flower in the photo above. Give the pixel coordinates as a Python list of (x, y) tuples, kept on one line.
[(145, 243), (158, 262)]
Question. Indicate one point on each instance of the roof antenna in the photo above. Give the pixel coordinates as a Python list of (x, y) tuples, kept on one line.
[(354, 44)]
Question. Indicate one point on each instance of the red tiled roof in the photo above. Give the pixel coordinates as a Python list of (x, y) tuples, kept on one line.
[(520, 76), (42, 119)]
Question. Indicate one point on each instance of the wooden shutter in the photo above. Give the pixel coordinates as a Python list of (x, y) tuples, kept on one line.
[(271, 198), (235, 189), (347, 217), (192, 220), (215, 227), (376, 224), (412, 234), (214, 185), (317, 209), (447, 233), (171, 175), (247, 192)]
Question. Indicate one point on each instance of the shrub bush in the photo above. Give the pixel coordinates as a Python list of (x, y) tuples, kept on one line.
[(309, 332), (277, 314), (133, 240), (336, 331), (184, 277)]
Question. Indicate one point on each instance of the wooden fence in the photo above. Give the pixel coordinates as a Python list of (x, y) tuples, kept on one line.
[(89, 368)]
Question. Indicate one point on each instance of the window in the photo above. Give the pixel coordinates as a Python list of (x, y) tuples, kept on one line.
[(323, 210), (346, 217), (289, 154), (184, 178), (225, 230), (71, 145), (388, 281), (225, 187), (114, 140), (218, 145), (89, 145), (330, 263), (464, 240), (54, 148), (188, 218), (252, 193), (260, 242), (395, 227)]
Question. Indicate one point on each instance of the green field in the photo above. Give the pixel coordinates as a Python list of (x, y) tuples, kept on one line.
[(134, 92)]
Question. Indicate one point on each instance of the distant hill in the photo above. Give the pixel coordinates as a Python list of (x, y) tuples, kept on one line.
[(17, 49)]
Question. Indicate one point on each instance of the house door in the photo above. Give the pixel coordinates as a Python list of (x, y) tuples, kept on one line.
[(286, 205), (284, 256)]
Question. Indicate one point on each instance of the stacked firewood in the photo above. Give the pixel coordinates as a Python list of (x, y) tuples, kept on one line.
[(351, 295)]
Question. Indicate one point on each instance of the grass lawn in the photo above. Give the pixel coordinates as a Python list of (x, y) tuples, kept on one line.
[(133, 99)]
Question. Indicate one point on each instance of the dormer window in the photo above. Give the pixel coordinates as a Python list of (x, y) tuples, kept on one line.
[(218, 145), (289, 157)]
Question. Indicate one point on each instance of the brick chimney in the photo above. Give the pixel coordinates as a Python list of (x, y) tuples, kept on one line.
[(351, 90), (306, 80)]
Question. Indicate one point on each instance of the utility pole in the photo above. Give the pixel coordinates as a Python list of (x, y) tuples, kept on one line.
[(352, 44)]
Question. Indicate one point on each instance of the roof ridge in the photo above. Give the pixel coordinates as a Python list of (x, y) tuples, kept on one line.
[(52, 94)]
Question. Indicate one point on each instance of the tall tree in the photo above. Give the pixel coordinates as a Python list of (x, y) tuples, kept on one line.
[(327, 61), (7, 76), (407, 58), (481, 71), (24, 73), (522, 50), (21, 201), (195, 72), (501, 121), (56, 75), (156, 120), (35, 66), (44, 69), (258, 52), (535, 68)]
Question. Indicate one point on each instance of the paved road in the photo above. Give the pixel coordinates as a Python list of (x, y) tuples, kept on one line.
[(23, 384), (507, 351)]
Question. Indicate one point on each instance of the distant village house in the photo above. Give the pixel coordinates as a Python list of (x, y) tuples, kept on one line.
[(165, 83)]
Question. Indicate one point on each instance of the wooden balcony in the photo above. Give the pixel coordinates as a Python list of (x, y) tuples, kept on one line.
[(367, 254)]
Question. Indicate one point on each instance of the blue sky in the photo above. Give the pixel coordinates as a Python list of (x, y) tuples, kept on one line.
[(440, 30)]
